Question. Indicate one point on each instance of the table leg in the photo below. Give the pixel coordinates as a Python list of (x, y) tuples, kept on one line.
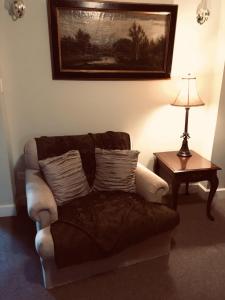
[(214, 182), (175, 189), (156, 166), (187, 188)]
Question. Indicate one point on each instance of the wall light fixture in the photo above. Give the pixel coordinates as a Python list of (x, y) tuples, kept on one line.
[(202, 12), (16, 9)]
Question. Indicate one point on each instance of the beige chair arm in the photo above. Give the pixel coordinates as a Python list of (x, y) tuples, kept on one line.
[(41, 204), (149, 185), (44, 243)]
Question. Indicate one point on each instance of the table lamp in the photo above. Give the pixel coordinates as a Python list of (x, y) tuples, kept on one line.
[(187, 97)]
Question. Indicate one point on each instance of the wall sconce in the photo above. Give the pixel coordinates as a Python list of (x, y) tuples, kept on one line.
[(202, 12), (16, 9)]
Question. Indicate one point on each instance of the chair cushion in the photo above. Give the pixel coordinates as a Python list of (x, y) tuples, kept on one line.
[(86, 144), (65, 176), (115, 170), (105, 223)]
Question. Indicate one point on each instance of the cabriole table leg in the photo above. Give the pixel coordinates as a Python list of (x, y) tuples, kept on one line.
[(214, 182)]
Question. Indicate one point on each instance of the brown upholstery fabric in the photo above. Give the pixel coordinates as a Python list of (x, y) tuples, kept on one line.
[(111, 140), (86, 144), (104, 223)]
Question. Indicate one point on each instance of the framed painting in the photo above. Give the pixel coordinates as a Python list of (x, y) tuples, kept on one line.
[(111, 40)]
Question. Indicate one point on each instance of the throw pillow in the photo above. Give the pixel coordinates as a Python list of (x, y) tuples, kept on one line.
[(115, 170), (65, 176)]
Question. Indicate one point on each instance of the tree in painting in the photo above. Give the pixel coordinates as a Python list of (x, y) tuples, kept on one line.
[(138, 49), (138, 38), (82, 40)]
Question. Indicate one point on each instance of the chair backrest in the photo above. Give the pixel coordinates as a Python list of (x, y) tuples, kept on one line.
[(44, 147)]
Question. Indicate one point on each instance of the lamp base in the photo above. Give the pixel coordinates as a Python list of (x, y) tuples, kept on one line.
[(182, 153), (184, 150)]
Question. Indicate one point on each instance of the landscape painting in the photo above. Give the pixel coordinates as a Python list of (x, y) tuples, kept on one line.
[(112, 41)]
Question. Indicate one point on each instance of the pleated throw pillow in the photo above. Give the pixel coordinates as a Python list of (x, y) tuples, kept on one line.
[(115, 170), (65, 176)]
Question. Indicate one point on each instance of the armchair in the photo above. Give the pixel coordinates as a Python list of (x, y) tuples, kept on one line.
[(43, 210)]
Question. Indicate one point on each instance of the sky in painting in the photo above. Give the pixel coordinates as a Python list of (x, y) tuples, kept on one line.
[(106, 27)]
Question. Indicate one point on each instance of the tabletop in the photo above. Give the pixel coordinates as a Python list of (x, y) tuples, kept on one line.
[(185, 164)]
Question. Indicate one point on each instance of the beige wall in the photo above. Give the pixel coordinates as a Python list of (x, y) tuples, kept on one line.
[(6, 195), (36, 105)]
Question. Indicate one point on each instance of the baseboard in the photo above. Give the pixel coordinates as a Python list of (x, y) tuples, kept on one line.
[(7, 210), (204, 192), (192, 188)]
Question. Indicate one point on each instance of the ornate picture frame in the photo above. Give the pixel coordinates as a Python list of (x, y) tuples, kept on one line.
[(111, 40)]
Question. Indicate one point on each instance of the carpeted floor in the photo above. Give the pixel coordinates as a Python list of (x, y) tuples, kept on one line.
[(196, 266)]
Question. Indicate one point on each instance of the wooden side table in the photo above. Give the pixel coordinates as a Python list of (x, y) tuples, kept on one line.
[(176, 170)]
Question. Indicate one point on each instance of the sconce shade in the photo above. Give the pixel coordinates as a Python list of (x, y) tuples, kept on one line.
[(188, 95)]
